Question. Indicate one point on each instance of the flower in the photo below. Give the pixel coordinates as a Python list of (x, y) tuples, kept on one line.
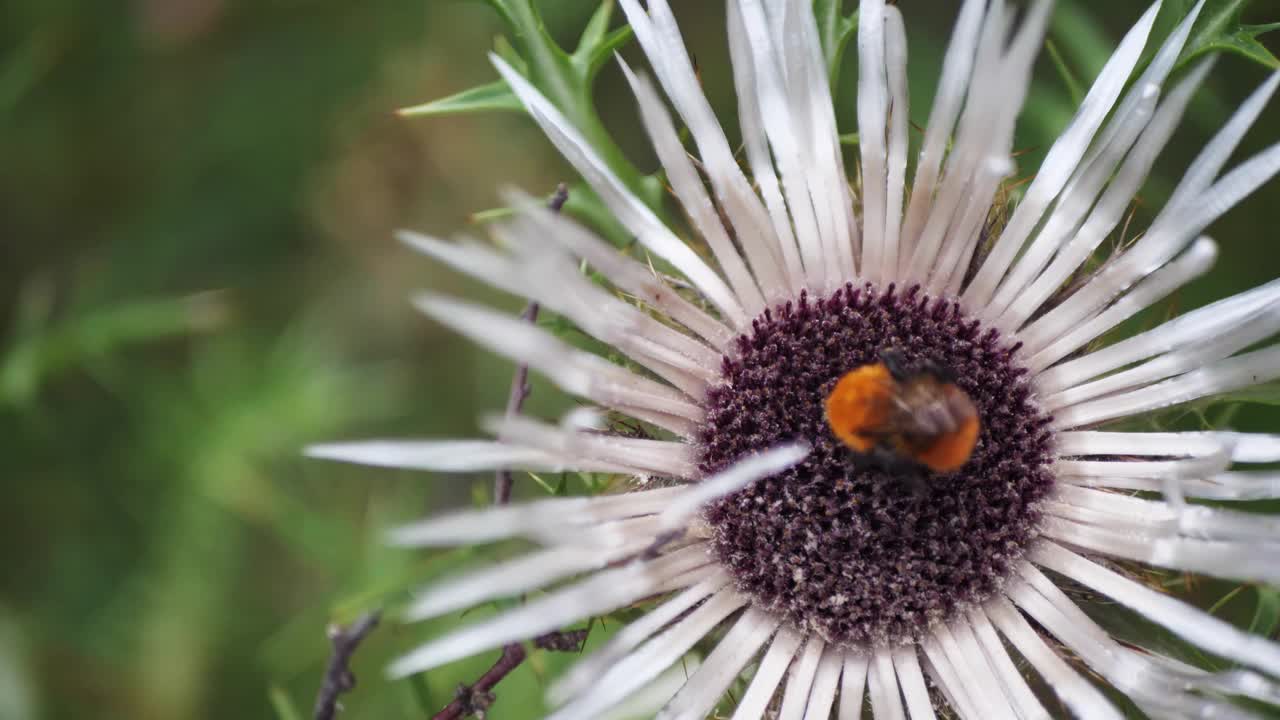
[(747, 519)]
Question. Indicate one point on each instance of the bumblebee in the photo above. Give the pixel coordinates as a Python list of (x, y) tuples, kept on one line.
[(903, 418)]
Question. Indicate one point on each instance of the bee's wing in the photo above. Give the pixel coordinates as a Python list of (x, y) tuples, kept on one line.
[(921, 409), (934, 417)]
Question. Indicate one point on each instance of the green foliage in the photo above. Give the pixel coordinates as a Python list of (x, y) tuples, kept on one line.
[(482, 98), (23, 69), (283, 705), (1064, 71), (1265, 394), (835, 29), (568, 81), (1221, 29), (1266, 616), (198, 279), (598, 43), (42, 348)]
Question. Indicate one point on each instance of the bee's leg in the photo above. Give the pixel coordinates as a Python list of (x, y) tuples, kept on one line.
[(877, 458), (895, 362), (870, 460), (910, 472), (917, 480)]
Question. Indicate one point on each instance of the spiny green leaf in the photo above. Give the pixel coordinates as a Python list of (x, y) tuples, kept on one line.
[(834, 31), (566, 80), (1263, 29), (549, 66), (605, 49), (482, 98), (502, 46), (503, 8), (1219, 29), (1218, 17), (596, 28), (1266, 617), (1244, 42)]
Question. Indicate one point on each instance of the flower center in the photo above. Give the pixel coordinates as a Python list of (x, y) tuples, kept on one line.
[(863, 553)]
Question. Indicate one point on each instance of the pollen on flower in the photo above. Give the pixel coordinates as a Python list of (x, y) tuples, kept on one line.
[(896, 556)]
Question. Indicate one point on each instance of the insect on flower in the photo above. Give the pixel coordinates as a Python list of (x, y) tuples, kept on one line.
[(904, 418), (775, 375)]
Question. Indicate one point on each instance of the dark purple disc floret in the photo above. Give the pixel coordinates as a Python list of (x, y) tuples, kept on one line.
[(853, 553)]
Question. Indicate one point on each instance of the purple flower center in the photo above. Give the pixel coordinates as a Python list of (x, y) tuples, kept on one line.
[(860, 554)]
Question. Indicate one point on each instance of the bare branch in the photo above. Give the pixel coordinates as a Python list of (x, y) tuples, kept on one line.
[(520, 380), (338, 677), (476, 698)]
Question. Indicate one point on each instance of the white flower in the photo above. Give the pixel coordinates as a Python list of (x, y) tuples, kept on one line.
[(829, 577)]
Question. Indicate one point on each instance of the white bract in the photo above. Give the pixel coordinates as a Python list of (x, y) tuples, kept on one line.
[(792, 223)]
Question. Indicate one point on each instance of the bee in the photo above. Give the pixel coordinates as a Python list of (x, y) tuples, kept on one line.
[(903, 418)]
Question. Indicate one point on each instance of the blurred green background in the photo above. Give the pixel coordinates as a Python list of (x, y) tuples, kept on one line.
[(198, 277)]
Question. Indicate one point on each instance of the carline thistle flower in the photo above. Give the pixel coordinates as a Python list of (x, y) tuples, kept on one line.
[(821, 579)]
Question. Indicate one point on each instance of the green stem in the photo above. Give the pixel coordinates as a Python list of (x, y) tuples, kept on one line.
[(551, 71)]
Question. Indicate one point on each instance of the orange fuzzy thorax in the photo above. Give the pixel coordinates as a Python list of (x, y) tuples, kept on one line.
[(859, 404)]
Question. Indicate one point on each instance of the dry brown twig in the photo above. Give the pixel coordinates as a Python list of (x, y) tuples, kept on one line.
[(338, 677), (475, 699)]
